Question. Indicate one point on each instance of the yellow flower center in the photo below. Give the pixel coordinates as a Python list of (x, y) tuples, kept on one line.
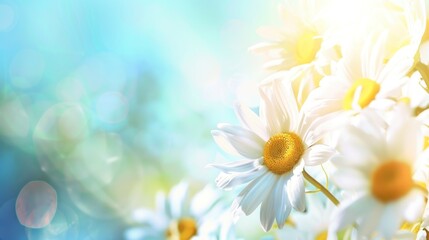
[(391, 181), (367, 88), (183, 229), (282, 152), (307, 47), (322, 236)]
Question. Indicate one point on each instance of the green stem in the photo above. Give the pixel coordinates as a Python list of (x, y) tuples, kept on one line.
[(319, 186)]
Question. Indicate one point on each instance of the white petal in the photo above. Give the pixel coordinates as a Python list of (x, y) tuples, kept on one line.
[(237, 166), (370, 220), (161, 203), (228, 181), (421, 235), (412, 205), (268, 210), (222, 141), (251, 196), (373, 55), (247, 147), (348, 211), (313, 130), (359, 149), (318, 154), (372, 123), (282, 201), (390, 221), (177, 198), (204, 200), (404, 139), (285, 96), (275, 119), (350, 179), (251, 121), (296, 192), (398, 66), (240, 132)]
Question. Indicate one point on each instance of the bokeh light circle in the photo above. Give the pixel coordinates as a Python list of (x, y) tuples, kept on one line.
[(112, 107), (15, 122), (7, 17), (65, 225), (36, 204), (27, 69), (58, 132)]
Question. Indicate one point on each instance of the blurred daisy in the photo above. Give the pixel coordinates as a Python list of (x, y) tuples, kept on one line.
[(299, 41), (277, 144), (378, 166), (177, 218)]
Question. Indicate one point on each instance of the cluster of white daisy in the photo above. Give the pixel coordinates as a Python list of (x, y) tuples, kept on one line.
[(338, 147), (343, 112)]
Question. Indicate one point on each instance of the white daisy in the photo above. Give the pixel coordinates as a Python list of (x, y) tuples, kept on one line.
[(177, 218), (378, 166), (363, 79), (299, 41), (277, 144)]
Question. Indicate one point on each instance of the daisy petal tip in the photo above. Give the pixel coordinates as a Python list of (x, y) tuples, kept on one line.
[(266, 227), (215, 133), (211, 165)]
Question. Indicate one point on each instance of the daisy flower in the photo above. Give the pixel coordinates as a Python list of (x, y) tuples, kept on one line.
[(378, 166), (300, 39), (373, 69), (363, 80), (277, 145), (177, 218)]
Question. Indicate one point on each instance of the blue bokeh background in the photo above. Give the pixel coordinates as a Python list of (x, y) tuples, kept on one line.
[(111, 101)]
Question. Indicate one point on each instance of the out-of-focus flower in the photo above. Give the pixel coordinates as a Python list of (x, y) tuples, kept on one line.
[(278, 143), (299, 41), (176, 217), (378, 166)]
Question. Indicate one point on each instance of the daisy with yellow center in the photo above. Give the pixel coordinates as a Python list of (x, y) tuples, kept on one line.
[(299, 41), (178, 218), (378, 166), (373, 67), (277, 144), (363, 80)]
